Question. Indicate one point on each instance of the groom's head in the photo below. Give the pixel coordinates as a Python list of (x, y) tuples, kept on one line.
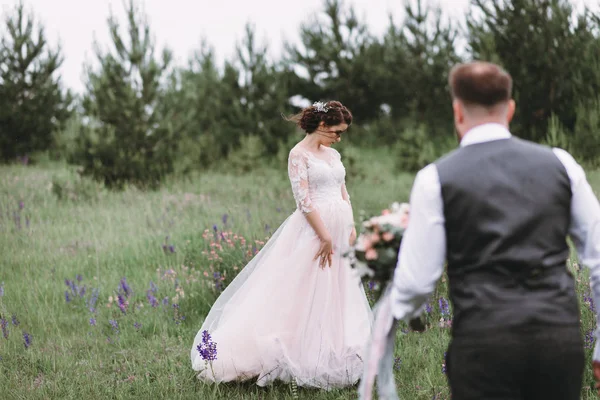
[(481, 93)]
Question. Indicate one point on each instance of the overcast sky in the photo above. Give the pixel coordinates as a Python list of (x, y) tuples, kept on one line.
[(182, 23)]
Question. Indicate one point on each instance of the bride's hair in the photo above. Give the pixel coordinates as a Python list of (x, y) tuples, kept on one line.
[(331, 113)]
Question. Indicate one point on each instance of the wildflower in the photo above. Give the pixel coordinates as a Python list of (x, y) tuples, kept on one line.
[(444, 307), (91, 302), (224, 219), (125, 287), (4, 326), (207, 348), (92, 321), (115, 325), (397, 363), (428, 308), (78, 277), (153, 287), (137, 326), (589, 301), (15, 321), (67, 297), (589, 339), (26, 339), (151, 299), (123, 303), (2, 290)]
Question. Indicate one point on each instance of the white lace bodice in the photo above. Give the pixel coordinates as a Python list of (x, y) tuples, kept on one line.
[(316, 180)]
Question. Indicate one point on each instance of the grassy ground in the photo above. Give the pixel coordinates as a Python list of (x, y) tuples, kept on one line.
[(70, 249)]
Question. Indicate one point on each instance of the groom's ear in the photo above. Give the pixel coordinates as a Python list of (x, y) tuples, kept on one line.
[(459, 114), (511, 110)]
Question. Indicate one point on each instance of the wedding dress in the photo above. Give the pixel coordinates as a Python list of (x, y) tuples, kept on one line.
[(283, 317)]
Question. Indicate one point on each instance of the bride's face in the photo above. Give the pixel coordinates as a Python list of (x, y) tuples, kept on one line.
[(329, 135)]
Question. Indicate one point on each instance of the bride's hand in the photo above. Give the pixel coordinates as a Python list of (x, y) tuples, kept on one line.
[(353, 237), (325, 252)]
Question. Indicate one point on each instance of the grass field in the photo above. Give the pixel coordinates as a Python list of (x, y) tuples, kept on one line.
[(102, 293)]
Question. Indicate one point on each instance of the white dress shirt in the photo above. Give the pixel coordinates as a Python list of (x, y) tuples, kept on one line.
[(423, 249)]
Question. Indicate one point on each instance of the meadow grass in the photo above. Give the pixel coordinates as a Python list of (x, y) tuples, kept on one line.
[(65, 262)]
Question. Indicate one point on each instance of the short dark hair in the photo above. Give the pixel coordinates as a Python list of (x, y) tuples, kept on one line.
[(480, 83)]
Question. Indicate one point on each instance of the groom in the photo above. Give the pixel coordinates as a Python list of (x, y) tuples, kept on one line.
[(498, 210)]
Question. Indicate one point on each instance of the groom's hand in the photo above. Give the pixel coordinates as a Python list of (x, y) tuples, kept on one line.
[(596, 370)]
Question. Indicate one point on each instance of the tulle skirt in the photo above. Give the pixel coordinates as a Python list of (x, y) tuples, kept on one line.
[(283, 317)]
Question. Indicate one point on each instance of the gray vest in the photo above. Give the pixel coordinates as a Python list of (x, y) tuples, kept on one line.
[(507, 209)]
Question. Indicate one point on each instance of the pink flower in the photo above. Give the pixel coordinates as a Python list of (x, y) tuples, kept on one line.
[(375, 238), (387, 236), (385, 212), (371, 254)]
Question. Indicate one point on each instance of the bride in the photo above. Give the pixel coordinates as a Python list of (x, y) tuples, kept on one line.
[(296, 311)]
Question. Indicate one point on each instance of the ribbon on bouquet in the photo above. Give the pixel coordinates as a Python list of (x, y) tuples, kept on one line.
[(379, 355)]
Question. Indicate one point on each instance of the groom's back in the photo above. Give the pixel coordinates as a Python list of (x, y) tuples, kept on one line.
[(507, 213)]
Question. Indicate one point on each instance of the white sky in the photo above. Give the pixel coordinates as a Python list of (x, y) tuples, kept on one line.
[(181, 24)]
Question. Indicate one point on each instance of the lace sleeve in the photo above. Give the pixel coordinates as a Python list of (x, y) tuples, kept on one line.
[(298, 172)]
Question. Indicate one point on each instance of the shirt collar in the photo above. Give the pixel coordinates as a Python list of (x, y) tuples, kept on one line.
[(485, 133)]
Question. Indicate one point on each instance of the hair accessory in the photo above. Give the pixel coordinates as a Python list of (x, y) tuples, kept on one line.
[(320, 106)]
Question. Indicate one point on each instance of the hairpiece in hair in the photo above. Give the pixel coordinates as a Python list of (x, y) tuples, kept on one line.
[(320, 106)]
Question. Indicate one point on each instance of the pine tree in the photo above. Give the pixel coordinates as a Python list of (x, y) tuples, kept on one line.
[(547, 48), (129, 138), (339, 60), (32, 102)]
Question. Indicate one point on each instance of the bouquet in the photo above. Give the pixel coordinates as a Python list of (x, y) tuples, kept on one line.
[(375, 254)]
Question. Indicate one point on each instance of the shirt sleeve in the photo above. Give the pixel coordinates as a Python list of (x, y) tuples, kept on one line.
[(423, 249), (585, 228)]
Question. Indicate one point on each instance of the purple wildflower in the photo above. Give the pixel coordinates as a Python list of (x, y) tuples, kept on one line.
[(397, 363), (15, 321), (217, 280), (93, 321), (137, 326), (82, 291), (207, 348), (153, 287), (151, 299), (21, 205), (114, 324), (172, 248), (444, 307), (428, 308), (78, 277), (4, 326), (125, 287), (215, 229), (26, 339), (590, 339), (123, 303), (67, 296), (165, 301), (224, 219), (589, 301), (2, 290), (91, 302)]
